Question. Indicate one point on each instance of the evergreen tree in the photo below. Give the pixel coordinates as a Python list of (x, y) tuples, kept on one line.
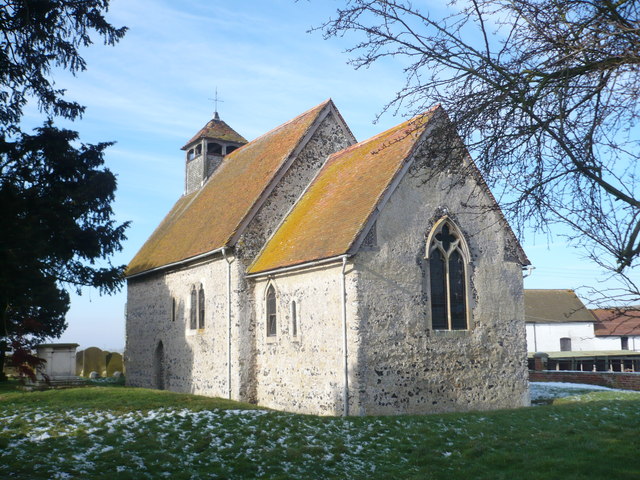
[(55, 198)]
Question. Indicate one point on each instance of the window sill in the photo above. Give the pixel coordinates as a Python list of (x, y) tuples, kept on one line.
[(451, 333), (271, 339)]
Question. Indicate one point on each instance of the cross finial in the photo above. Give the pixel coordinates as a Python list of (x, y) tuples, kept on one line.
[(215, 101)]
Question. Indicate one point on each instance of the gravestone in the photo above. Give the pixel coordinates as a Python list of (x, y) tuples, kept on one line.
[(94, 360), (79, 362), (114, 363)]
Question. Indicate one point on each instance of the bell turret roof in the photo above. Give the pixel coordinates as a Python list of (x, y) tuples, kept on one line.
[(216, 129)]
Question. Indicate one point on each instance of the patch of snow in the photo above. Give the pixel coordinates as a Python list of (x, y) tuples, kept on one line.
[(42, 436), (542, 391)]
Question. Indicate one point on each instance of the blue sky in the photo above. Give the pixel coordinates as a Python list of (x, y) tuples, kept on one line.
[(152, 92)]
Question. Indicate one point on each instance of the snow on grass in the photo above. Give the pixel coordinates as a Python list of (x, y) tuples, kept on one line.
[(545, 392), (237, 444), (78, 442)]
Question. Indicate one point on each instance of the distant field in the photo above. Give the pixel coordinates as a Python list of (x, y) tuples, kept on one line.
[(118, 432)]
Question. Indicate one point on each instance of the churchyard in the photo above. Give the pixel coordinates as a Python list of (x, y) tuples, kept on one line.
[(120, 432)]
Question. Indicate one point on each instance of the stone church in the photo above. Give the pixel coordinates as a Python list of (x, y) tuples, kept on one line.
[(306, 272)]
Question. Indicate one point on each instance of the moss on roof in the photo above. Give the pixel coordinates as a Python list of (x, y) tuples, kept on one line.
[(554, 306), (207, 219), (334, 209), (217, 129)]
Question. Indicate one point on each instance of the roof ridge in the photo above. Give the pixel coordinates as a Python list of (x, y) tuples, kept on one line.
[(387, 131), (282, 125)]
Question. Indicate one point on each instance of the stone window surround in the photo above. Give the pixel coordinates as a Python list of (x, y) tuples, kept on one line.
[(295, 319), (270, 287), (464, 249), (201, 308), (193, 319)]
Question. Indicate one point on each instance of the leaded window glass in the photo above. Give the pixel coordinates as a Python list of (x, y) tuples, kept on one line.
[(193, 308), (271, 312), (448, 280), (201, 307)]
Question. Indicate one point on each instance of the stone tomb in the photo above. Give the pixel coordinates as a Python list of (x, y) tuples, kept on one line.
[(60, 361)]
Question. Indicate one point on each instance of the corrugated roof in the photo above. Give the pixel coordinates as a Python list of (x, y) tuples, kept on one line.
[(617, 322), (208, 218), (218, 129), (554, 306), (331, 213)]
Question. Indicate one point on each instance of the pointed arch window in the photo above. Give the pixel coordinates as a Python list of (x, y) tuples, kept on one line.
[(271, 312), (448, 278), (201, 307), (193, 308)]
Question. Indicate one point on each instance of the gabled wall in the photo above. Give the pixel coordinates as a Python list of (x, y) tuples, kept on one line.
[(329, 137), (404, 366), (197, 361)]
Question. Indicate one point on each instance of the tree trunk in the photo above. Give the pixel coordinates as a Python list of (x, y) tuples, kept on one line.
[(3, 348)]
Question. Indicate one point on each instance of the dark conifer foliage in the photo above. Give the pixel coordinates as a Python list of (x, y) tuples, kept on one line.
[(38, 35), (58, 230)]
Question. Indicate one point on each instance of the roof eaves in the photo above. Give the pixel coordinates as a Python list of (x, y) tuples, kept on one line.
[(179, 263), (298, 266)]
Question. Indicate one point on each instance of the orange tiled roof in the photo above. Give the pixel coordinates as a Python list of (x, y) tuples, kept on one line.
[(216, 128), (617, 321), (208, 218), (334, 209)]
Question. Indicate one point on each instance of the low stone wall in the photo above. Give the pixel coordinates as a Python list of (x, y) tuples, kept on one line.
[(625, 381)]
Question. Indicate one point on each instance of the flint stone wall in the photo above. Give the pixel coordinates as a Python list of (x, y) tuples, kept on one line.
[(197, 361), (194, 175), (304, 373), (396, 362), (404, 365), (194, 361)]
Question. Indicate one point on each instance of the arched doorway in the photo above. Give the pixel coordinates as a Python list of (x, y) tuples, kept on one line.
[(158, 365)]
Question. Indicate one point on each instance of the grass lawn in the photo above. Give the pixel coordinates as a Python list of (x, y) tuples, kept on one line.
[(119, 432)]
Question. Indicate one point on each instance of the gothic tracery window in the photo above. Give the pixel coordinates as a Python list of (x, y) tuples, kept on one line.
[(448, 279)]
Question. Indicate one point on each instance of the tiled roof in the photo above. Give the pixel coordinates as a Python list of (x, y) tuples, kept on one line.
[(208, 218), (218, 129), (617, 322), (334, 209), (554, 306)]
